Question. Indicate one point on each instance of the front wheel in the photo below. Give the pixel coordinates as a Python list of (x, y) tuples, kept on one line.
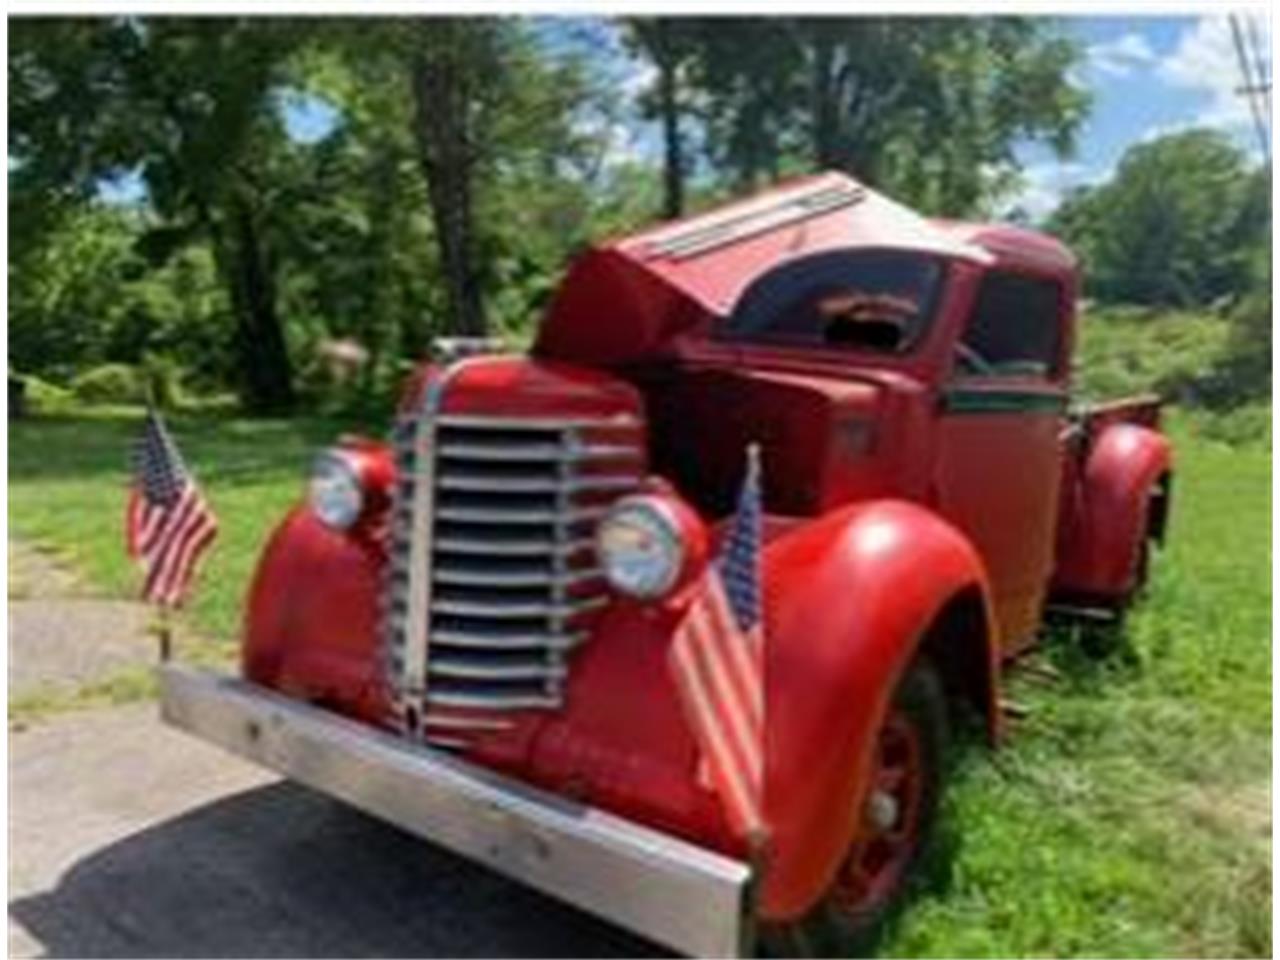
[(895, 822)]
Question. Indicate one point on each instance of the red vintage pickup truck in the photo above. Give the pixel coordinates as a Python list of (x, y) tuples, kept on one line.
[(438, 635)]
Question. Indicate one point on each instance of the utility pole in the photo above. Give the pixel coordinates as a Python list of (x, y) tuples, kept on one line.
[(1257, 79)]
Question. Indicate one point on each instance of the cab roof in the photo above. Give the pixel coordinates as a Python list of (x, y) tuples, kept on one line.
[(1014, 246), (630, 296)]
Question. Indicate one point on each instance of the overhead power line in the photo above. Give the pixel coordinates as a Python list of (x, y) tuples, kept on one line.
[(1257, 80), (1260, 61)]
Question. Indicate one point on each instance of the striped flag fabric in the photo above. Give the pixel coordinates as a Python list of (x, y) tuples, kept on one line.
[(716, 659), (168, 525)]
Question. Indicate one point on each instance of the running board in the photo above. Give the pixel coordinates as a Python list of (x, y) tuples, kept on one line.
[(1069, 612)]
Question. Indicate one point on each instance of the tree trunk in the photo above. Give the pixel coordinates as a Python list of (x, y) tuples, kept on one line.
[(381, 311), (266, 384), (441, 108), (826, 122), (673, 165)]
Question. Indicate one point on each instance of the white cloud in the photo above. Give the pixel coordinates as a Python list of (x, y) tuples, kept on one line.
[(618, 142), (1161, 130), (641, 75), (1121, 56), (1043, 185), (1204, 61), (626, 146)]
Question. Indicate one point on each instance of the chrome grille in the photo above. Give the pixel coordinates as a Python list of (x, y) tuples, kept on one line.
[(508, 581)]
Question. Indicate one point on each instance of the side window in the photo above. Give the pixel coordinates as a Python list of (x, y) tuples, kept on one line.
[(1015, 328)]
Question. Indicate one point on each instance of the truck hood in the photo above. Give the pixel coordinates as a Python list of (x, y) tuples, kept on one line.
[(626, 300)]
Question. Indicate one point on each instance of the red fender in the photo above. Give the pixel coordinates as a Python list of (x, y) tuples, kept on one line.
[(848, 599), (311, 627), (1104, 530)]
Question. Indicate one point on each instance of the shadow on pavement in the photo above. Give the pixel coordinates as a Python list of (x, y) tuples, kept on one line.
[(282, 871)]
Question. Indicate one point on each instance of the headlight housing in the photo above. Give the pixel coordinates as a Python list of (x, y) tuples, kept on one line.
[(336, 493), (641, 546)]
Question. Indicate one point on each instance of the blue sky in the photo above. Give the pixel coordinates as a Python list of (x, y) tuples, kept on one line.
[(1148, 76)]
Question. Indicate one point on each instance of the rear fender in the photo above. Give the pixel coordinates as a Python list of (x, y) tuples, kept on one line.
[(1098, 556), (849, 600)]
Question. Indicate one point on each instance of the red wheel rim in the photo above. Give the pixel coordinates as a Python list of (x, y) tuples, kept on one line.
[(889, 828)]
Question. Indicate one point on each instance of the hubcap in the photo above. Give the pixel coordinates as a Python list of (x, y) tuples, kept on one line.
[(882, 810), (889, 832)]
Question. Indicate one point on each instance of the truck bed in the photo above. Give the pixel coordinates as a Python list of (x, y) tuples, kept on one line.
[(1143, 410)]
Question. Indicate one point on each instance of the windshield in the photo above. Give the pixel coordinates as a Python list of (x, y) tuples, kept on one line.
[(878, 300)]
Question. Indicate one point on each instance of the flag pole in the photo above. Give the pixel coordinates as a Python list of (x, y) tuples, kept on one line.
[(165, 633), (758, 860)]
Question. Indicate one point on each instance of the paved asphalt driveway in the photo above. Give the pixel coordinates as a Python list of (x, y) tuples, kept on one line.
[(129, 839)]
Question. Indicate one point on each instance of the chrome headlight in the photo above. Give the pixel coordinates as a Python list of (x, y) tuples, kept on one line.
[(640, 547), (336, 495)]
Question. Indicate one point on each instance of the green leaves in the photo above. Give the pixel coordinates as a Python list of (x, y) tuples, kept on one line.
[(471, 157), (927, 108), (1176, 225)]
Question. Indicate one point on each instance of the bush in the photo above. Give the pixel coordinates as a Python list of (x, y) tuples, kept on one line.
[(161, 378), (1248, 425), (1127, 350), (43, 397), (110, 383)]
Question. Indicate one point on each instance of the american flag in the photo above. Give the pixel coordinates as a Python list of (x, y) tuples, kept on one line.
[(168, 525), (717, 661)]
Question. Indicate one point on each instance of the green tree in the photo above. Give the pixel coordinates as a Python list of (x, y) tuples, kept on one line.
[(670, 44), (1176, 225), (80, 294), (69, 292), (492, 119), (927, 108), (189, 105)]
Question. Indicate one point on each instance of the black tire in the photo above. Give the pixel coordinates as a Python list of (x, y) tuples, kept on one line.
[(834, 929)]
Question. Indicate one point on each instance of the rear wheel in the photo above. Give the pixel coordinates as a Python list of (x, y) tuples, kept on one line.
[(896, 820)]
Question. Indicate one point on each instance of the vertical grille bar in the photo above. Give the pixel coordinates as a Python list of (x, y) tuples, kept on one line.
[(409, 589)]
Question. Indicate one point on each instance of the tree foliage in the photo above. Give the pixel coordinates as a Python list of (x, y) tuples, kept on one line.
[(187, 104), (927, 108), (1178, 224), (671, 45), (464, 159)]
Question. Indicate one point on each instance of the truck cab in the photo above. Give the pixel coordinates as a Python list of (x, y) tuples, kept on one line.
[(929, 492)]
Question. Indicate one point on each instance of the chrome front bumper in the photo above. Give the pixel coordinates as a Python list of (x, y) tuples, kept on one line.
[(673, 892)]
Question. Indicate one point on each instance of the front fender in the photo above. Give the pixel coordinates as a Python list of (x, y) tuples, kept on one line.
[(311, 620), (1099, 549), (848, 599)]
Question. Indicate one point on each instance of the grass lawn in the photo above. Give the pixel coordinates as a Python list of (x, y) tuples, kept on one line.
[(1129, 814), (68, 477)]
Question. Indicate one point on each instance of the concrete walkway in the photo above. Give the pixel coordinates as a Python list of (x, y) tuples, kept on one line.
[(61, 636)]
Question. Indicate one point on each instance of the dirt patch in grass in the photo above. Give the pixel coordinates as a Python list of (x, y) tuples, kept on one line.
[(71, 647), (1243, 811), (37, 571)]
